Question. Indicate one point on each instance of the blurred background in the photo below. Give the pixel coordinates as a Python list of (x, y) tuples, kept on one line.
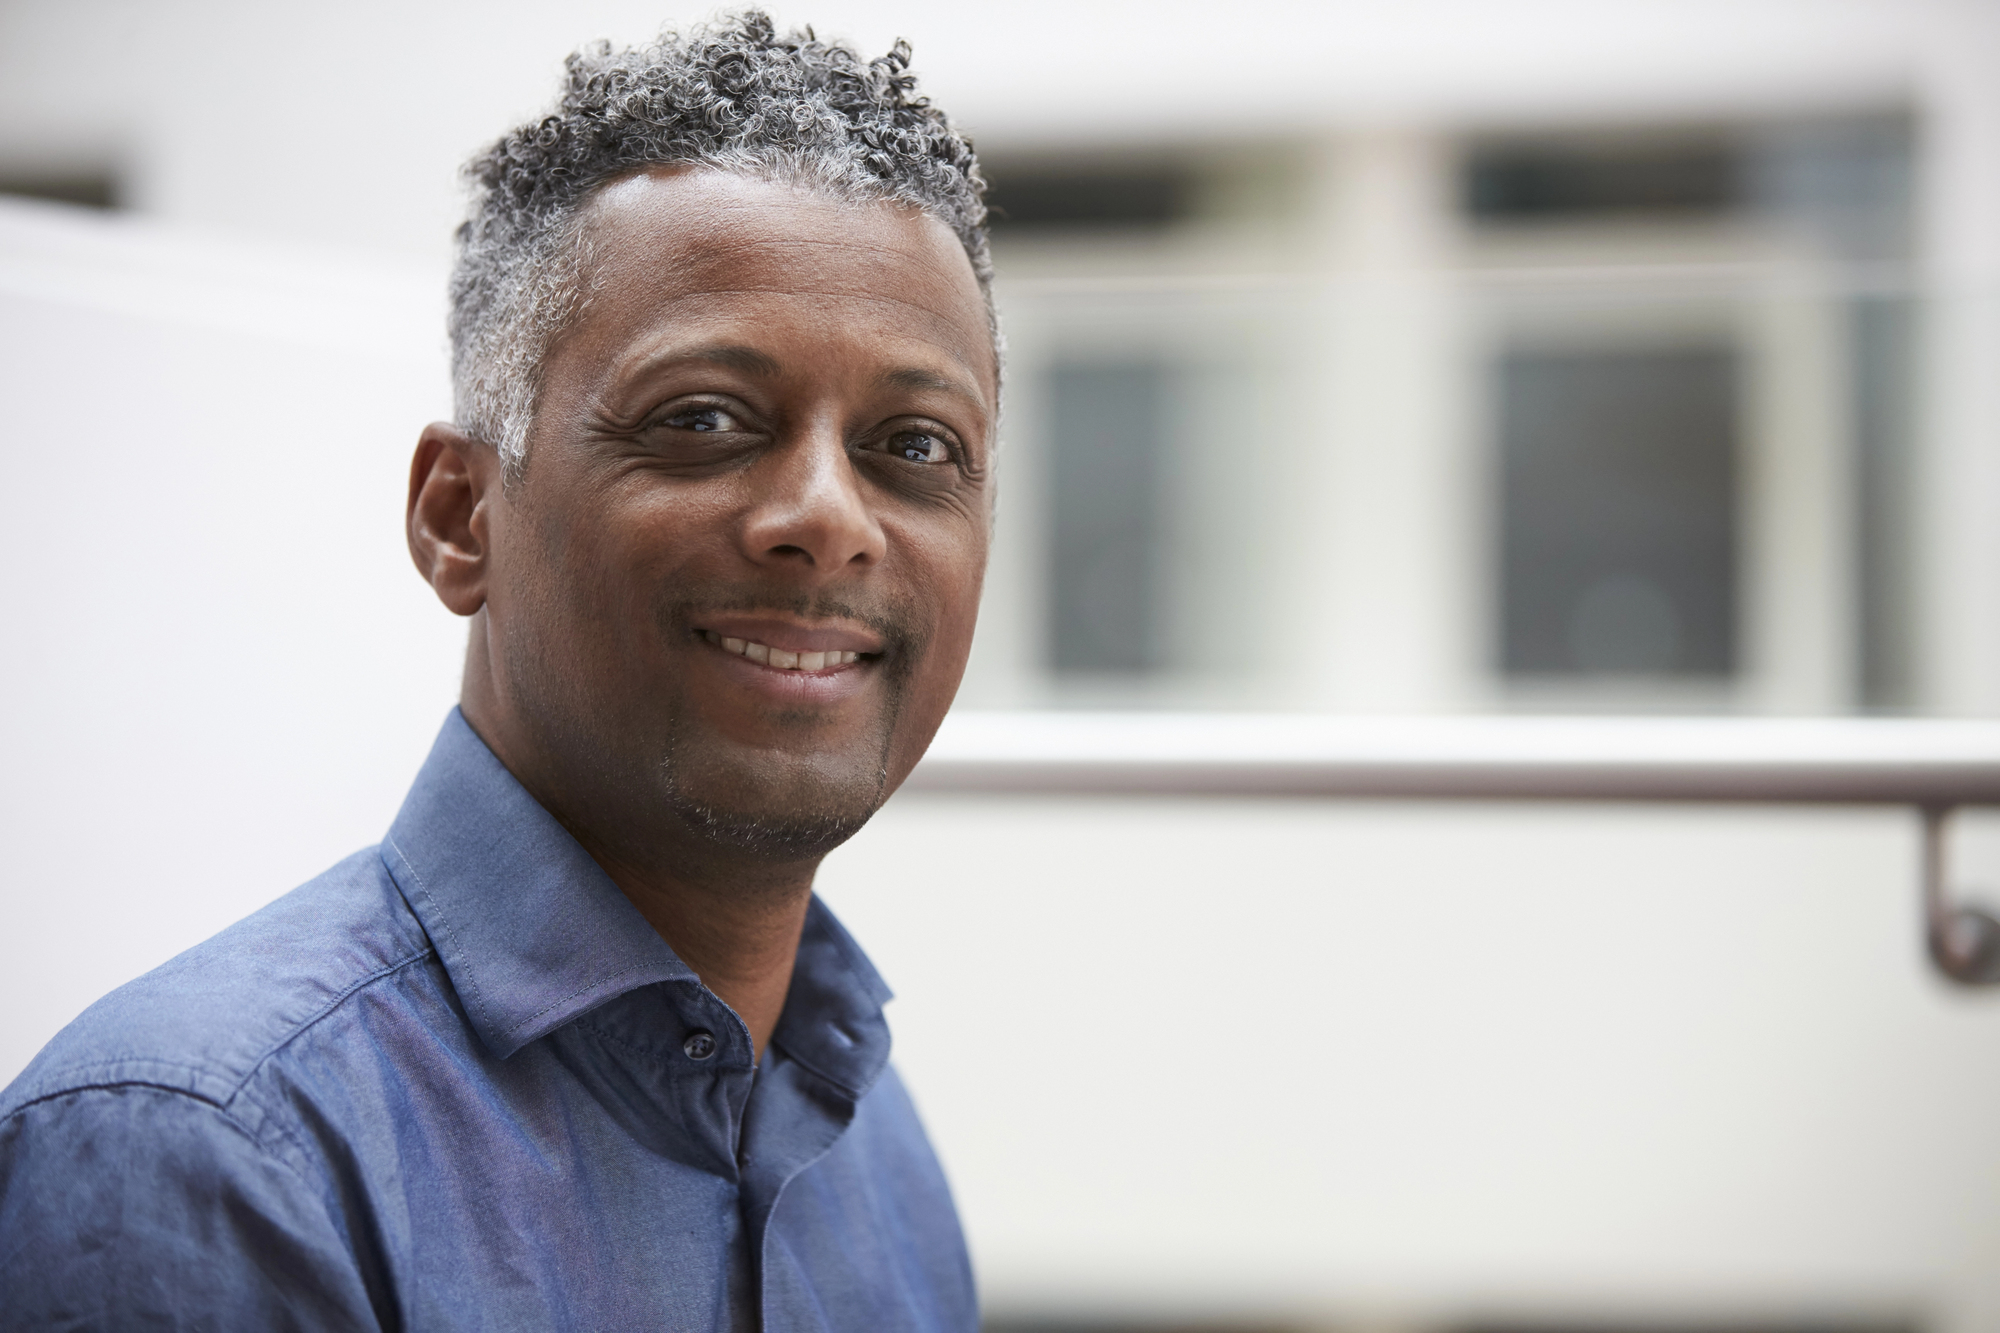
[(1540, 356)]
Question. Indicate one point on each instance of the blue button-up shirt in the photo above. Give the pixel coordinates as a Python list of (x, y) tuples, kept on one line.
[(458, 1082)]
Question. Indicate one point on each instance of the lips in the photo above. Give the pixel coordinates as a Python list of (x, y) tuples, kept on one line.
[(795, 648), (783, 659)]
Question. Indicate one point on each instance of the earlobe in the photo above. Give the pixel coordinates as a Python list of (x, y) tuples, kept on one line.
[(451, 478)]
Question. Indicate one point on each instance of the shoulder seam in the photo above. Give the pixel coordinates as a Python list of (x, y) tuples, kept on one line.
[(105, 1085), (83, 1073), (228, 1117), (308, 1024)]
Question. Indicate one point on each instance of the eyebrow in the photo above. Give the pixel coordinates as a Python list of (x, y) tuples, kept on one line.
[(910, 377), (735, 356), (739, 356)]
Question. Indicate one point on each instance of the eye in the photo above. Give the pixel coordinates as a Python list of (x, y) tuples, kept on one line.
[(920, 446), (703, 419)]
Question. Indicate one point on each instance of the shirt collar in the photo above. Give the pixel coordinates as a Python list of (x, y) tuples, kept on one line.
[(832, 1021), (533, 933), (530, 929)]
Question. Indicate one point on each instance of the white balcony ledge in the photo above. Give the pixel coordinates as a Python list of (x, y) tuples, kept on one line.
[(1933, 763)]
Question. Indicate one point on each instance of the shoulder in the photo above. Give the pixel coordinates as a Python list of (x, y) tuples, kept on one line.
[(203, 1023), (132, 1205)]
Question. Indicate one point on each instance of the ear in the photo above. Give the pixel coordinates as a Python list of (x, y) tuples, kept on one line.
[(452, 477)]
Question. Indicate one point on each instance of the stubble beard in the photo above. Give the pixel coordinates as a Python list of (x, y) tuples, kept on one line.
[(818, 808), (814, 812)]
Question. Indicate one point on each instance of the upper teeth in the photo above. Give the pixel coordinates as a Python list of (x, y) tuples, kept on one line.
[(778, 657)]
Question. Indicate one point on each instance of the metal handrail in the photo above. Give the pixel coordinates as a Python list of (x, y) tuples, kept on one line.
[(1932, 766)]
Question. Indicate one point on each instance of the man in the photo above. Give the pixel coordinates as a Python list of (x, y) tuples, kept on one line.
[(575, 1047)]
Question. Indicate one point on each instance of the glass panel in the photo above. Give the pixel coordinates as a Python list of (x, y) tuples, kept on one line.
[(1104, 435), (1619, 506), (1882, 354)]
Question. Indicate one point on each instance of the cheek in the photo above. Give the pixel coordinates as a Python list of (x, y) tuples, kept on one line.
[(948, 586), (563, 585), (559, 572), (608, 557), (961, 614), (951, 569)]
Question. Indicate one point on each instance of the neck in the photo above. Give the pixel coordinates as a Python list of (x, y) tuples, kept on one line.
[(740, 938), (734, 920)]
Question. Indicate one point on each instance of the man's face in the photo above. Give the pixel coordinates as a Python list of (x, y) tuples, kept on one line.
[(735, 586)]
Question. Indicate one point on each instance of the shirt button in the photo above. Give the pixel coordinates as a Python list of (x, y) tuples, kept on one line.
[(700, 1044)]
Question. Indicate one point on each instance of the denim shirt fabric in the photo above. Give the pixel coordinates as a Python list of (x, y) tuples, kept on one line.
[(458, 1082)]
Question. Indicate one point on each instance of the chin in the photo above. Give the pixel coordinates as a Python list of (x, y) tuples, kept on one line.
[(801, 812), (778, 836)]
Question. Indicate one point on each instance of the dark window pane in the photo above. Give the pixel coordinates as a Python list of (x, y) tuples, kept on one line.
[(1847, 183), (1882, 385), (91, 189), (1549, 182), (1104, 436), (1618, 513), (1081, 197)]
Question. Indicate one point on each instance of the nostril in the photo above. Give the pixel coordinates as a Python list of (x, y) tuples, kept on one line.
[(792, 550)]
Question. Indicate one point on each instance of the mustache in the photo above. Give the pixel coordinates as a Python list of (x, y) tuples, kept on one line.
[(895, 624)]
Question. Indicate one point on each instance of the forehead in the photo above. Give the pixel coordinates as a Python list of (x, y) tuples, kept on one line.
[(685, 247)]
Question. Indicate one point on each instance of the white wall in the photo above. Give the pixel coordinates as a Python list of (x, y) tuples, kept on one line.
[(1397, 1063), (220, 669), (345, 123)]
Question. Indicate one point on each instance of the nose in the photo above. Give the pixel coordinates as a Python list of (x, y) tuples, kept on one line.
[(810, 512)]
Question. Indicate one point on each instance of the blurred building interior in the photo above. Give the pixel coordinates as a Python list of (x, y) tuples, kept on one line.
[(1526, 357), (1658, 379)]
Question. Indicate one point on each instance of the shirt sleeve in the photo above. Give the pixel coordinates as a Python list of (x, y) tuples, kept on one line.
[(134, 1206)]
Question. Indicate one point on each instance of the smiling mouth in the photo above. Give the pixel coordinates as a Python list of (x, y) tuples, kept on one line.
[(765, 655)]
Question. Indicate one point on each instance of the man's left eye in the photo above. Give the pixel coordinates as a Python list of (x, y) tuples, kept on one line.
[(920, 446), (702, 419)]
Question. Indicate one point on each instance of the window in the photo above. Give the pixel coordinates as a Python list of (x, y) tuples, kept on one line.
[(1618, 513), (1106, 472), (82, 185), (1540, 182), (1086, 196)]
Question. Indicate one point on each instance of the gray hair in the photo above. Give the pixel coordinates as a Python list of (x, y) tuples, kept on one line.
[(735, 96)]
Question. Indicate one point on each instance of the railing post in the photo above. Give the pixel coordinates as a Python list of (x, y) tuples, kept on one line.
[(1964, 941)]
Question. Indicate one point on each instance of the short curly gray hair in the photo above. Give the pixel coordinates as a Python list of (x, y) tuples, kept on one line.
[(735, 96)]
